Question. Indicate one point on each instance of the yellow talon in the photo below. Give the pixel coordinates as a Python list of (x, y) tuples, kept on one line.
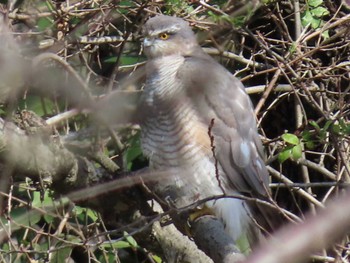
[(197, 213)]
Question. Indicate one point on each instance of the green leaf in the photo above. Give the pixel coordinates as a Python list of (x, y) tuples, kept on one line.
[(111, 60), (125, 60), (309, 19), (21, 216), (133, 156), (319, 11), (48, 219), (131, 240), (36, 199), (325, 34), (296, 152), (118, 244), (157, 259), (125, 6), (290, 138), (62, 255), (315, 125), (323, 134), (85, 213), (121, 244), (316, 23), (238, 21), (91, 214), (35, 103), (293, 48), (315, 3), (78, 210), (327, 125), (44, 23), (126, 3), (306, 18), (336, 128), (46, 201), (306, 135), (6, 247), (129, 60), (134, 150), (42, 247), (346, 129), (285, 154), (310, 145)]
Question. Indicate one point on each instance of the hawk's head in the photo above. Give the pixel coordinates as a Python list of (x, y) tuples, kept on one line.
[(166, 35)]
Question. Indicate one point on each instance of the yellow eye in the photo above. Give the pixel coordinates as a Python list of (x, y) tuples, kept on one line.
[(163, 36)]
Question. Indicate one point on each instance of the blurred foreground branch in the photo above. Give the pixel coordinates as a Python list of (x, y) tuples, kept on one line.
[(295, 243), (33, 157)]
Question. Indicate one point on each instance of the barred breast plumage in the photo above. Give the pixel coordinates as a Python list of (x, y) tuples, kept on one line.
[(177, 143)]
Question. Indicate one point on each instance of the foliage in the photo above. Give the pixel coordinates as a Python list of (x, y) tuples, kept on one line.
[(293, 149), (315, 14)]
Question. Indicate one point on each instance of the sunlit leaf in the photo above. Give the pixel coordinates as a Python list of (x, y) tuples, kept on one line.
[(131, 240), (296, 152), (314, 3), (157, 259), (118, 244), (39, 201), (290, 138), (309, 19), (306, 18), (285, 154), (319, 11)]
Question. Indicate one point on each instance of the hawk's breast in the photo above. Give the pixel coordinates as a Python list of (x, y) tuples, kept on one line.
[(173, 135)]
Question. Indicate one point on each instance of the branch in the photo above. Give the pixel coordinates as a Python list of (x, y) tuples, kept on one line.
[(295, 243), (31, 156), (210, 236), (177, 247), (230, 55), (44, 159)]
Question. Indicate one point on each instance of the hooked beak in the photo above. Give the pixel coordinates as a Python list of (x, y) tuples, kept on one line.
[(147, 42)]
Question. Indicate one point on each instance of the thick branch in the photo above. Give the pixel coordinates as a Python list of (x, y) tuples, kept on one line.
[(31, 156), (210, 236), (177, 247), (44, 159)]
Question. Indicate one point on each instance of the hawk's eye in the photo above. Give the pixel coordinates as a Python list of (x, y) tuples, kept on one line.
[(163, 36)]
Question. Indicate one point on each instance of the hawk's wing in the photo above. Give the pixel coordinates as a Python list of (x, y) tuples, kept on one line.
[(220, 97)]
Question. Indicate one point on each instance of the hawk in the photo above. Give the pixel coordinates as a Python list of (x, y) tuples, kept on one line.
[(198, 127)]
